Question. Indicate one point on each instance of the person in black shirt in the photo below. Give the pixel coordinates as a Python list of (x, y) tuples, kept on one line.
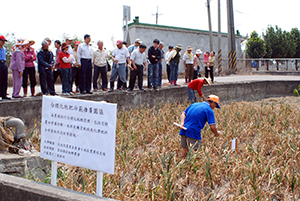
[(154, 56), (45, 66)]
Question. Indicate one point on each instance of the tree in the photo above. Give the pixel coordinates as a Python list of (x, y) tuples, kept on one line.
[(296, 35), (256, 47)]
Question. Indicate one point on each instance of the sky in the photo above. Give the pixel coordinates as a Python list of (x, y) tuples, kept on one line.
[(37, 19)]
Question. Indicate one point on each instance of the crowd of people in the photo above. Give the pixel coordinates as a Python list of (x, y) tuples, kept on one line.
[(83, 66)]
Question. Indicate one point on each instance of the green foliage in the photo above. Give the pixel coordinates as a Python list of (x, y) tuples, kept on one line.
[(296, 35), (296, 91), (281, 44), (11, 40), (256, 47)]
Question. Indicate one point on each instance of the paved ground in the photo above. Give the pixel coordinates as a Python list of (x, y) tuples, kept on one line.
[(221, 79)]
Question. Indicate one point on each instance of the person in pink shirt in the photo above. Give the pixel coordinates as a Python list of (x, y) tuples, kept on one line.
[(17, 66), (29, 70)]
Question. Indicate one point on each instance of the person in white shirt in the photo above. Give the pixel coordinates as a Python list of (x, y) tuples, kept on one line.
[(84, 59), (138, 65), (166, 58), (119, 56), (188, 61), (99, 62)]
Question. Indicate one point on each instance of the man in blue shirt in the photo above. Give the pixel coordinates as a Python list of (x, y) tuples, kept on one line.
[(194, 119), (3, 69)]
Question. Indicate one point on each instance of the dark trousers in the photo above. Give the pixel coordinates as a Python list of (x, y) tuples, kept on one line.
[(211, 73), (120, 83), (85, 83), (31, 73), (168, 71), (197, 73), (46, 82), (159, 73), (3, 79), (136, 73), (66, 75), (76, 76), (56, 73), (102, 71)]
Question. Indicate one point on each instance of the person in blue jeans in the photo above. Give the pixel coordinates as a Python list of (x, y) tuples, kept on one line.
[(173, 60), (160, 46), (154, 56), (193, 119)]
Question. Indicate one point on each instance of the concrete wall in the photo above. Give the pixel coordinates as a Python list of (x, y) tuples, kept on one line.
[(197, 39), (29, 109), (18, 189)]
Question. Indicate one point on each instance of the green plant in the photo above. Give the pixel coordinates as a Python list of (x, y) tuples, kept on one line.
[(297, 91)]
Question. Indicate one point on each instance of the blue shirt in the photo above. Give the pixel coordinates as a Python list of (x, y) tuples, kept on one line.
[(3, 54), (197, 115), (131, 48)]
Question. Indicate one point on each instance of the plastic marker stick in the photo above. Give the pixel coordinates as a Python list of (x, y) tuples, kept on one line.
[(176, 124), (233, 144)]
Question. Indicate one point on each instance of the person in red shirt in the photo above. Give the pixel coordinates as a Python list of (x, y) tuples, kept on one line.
[(65, 60), (197, 85)]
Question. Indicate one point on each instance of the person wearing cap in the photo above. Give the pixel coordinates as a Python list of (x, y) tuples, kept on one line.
[(197, 85), (45, 66), (69, 41), (160, 46), (194, 119), (76, 69), (173, 61), (167, 65), (211, 62), (56, 69), (120, 55), (196, 64), (138, 65), (3, 69), (17, 65), (84, 59), (29, 70), (154, 56), (188, 61), (99, 61), (65, 60), (134, 46)]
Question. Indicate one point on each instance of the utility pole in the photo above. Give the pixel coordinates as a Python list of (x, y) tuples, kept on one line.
[(219, 39), (156, 15), (231, 38), (209, 26)]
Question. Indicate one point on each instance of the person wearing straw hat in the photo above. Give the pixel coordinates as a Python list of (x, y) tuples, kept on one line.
[(173, 61), (188, 61), (3, 69), (65, 60), (17, 66), (196, 64), (193, 119), (197, 85), (29, 70), (134, 46)]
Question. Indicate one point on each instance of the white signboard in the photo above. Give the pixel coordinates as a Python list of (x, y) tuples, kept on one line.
[(79, 132)]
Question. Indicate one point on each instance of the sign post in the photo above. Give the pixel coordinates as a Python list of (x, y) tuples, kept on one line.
[(80, 133)]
